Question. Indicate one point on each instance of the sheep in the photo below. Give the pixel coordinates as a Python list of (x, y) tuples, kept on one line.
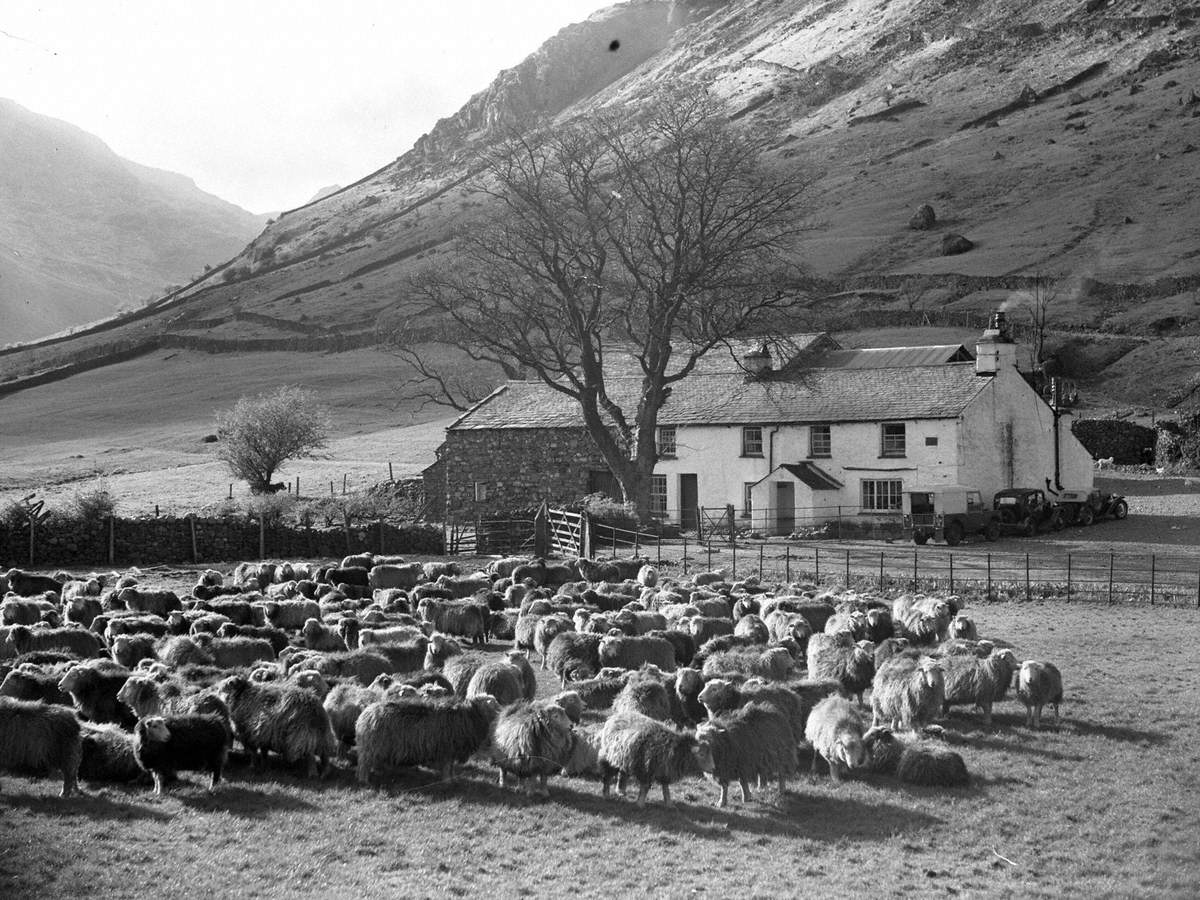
[(280, 717), (649, 751), (913, 761), (317, 636), (837, 656), (421, 731), (344, 704), (406, 576), (354, 576), (923, 620), (880, 626), (704, 628), (502, 680), (627, 652), (402, 656), (503, 567), (684, 644), (181, 650), (888, 648), (753, 627), (394, 634), (529, 684), (962, 626), (599, 692), (80, 641), (81, 610), (546, 630), (163, 745), (853, 621), (30, 682), (835, 731), (907, 692), (236, 652), (40, 737), (277, 638), (364, 666), (685, 686), (774, 663), (159, 603), (753, 741), (309, 679), (1038, 683), (290, 615), (16, 611), (816, 612), (209, 623), (146, 696), (129, 649), (133, 623), (106, 754), (647, 576), (439, 649), (461, 619), (532, 740), (29, 584), (93, 687), (975, 681), (571, 703), (644, 692), (720, 696)]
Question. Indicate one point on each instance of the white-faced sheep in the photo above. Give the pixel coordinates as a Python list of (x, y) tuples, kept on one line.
[(649, 751), (106, 754), (754, 741), (421, 731), (290, 615), (129, 649), (529, 684), (532, 740), (753, 627), (782, 625), (923, 620), (316, 635), (835, 730), (164, 745), (974, 681), (907, 692), (344, 704), (628, 652), (962, 626), (406, 576), (546, 630), (93, 687), (18, 611), (888, 648), (838, 656), (463, 619), (574, 656), (853, 621), (1038, 684), (159, 603), (182, 650), (80, 641), (705, 628), (82, 610), (281, 718), (461, 667), (914, 761), (38, 737)]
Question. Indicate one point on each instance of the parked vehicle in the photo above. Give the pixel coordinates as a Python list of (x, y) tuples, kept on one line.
[(1085, 507), (949, 513), (1026, 511)]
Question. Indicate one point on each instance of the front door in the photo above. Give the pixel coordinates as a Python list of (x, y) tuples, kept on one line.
[(689, 499), (785, 507)]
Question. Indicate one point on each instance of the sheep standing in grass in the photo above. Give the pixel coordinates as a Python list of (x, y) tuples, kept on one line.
[(644, 693), (574, 656), (923, 620), (344, 704), (754, 741), (977, 682), (774, 664), (914, 761), (34, 736), (107, 755), (532, 740), (164, 745), (835, 730), (638, 747), (502, 680), (546, 630), (93, 687), (628, 652), (908, 692), (838, 656), (462, 618), (80, 641), (422, 731), (280, 717), (1038, 684), (31, 682)]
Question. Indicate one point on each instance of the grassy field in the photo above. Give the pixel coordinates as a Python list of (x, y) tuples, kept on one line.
[(1103, 805)]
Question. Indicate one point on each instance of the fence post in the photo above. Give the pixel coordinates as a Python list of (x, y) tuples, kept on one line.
[(952, 573), (637, 541), (787, 570), (685, 571), (699, 523), (1151, 579), (344, 476), (391, 477), (760, 558), (734, 560), (1028, 595), (881, 570), (541, 531), (817, 563), (1068, 577), (708, 560), (297, 487), (847, 567), (112, 540), (1110, 577), (914, 569), (989, 578), (729, 513)]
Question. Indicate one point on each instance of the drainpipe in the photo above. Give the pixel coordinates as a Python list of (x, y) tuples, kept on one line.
[(1057, 452), (771, 450)]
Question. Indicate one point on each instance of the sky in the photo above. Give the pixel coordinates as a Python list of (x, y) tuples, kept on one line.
[(265, 102)]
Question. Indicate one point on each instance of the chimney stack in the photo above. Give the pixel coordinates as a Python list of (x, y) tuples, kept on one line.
[(995, 350), (757, 362)]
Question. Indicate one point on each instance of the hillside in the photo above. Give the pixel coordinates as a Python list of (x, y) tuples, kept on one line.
[(1057, 135), (84, 232)]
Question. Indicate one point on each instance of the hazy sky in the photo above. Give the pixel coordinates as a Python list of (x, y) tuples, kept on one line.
[(264, 102)]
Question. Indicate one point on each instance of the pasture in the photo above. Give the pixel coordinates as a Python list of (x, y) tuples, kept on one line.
[(1102, 805)]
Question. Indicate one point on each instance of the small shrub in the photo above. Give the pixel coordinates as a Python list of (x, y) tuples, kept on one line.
[(604, 510), (270, 508), (91, 505)]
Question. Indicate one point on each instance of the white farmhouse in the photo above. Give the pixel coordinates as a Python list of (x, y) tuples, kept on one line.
[(806, 436)]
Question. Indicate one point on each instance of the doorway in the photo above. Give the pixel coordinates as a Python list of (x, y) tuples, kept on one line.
[(689, 499), (785, 507)]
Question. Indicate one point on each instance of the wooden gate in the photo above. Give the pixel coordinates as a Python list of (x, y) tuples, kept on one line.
[(567, 532)]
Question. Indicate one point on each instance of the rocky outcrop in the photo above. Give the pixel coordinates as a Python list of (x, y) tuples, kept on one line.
[(923, 219), (954, 244)]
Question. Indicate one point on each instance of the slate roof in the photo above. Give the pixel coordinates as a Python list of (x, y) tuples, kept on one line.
[(893, 357), (824, 395)]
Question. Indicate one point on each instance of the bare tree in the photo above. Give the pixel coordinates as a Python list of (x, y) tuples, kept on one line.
[(614, 255), (1041, 300), (260, 434)]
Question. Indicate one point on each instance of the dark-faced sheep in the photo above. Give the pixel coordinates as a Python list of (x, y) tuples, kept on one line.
[(30, 682), (907, 692), (648, 751), (93, 687), (41, 738), (970, 680), (532, 741), (164, 745), (754, 741), (1038, 684), (279, 717), (421, 731), (463, 619), (919, 762), (835, 730), (30, 584), (276, 637)]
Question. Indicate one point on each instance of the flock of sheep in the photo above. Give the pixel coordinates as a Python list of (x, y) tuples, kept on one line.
[(384, 663)]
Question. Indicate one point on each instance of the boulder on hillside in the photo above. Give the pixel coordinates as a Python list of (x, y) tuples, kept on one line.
[(923, 219), (954, 244)]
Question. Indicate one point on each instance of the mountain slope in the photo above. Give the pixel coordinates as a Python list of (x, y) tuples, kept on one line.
[(1057, 135), (84, 232)]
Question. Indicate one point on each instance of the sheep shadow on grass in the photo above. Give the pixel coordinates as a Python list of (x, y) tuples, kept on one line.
[(244, 801), (102, 805), (1120, 733)]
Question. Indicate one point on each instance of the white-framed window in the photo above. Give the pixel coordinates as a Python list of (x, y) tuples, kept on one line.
[(666, 441), (881, 495), (820, 442), (480, 491), (658, 495), (747, 502), (891, 439), (752, 440)]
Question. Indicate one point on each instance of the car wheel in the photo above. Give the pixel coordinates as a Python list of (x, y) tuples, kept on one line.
[(1086, 516), (991, 531), (1028, 528), (954, 533), (1120, 509), (1008, 515), (1057, 523)]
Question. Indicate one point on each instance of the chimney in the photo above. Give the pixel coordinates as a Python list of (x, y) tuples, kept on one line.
[(757, 362), (995, 350)]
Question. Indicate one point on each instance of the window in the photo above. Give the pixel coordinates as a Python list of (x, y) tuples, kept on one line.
[(881, 496), (752, 444), (602, 481), (931, 441), (892, 439), (820, 445), (666, 441), (480, 491), (658, 495), (747, 503)]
